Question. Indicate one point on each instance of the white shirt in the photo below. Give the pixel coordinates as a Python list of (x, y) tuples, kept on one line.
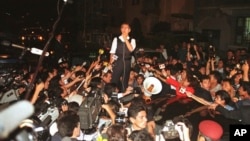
[(114, 44)]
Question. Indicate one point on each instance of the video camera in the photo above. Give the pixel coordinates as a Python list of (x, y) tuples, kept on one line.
[(90, 109), (211, 52), (169, 131)]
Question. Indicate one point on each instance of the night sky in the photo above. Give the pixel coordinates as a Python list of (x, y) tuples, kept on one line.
[(29, 12)]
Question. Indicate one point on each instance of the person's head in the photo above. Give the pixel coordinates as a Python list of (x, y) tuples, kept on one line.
[(205, 82), (237, 78), (106, 77), (139, 79), (110, 88), (73, 106), (202, 69), (220, 64), (140, 135), (58, 37), (209, 131), (215, 77), (222, 97), (69, 124), (125, 29), (138, 117), (132, 74), (230, 54), (244, 90), (117, 132), (96, 82), (226, 85)]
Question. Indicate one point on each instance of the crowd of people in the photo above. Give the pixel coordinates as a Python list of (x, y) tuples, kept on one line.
[(202, 93)]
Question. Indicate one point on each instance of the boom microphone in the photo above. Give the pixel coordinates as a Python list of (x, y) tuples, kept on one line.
[(12, 116), (33, 50)]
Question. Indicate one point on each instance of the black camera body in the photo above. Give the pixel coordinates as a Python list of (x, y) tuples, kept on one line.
[(120, 118), (90, 109), (211, 52)]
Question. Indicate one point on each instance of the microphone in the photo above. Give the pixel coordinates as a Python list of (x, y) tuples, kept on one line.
[(8, 43), (12, 116), (33, 50)]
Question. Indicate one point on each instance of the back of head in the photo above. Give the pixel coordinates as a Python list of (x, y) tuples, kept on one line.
[(67, 122), (140, 135), (117, 132)]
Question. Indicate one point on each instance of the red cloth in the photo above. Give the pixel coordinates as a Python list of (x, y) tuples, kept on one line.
[(180, 91)]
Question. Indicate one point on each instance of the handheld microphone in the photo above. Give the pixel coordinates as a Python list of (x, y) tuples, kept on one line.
[(12, 116), (33, 50)]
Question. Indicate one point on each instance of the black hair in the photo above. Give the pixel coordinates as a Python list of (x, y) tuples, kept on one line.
[(109, 89), (246, 86), (95, 82), (217, 76), (204, 77), (224, 96), (185, 121), (74, 106), (140, 135), (228, 80), (67, 122), (117, 132), (134, 110)]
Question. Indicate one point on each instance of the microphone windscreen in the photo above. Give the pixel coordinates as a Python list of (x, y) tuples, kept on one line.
[(12, 116)]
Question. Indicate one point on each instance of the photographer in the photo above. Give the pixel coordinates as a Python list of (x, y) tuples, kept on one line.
[(192, 52)]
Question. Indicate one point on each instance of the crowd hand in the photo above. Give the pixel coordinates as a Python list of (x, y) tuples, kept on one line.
[(189, 94), (105, 98), (183, 131), (73, 93), (77, 68), (188, 46), (97, 66), (232, 72), (212, 106), (88, 77), (128, 90), (78, 78), (187, 114), (245, 67), (195, 47), (110, 67), (235, 99), (88, 89), (40, 86)]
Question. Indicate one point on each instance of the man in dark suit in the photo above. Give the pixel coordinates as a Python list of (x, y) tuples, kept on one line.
[(241, 114)]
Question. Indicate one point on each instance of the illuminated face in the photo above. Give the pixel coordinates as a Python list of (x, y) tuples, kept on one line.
[(205, 84), (139, 80), (243, 94), (140, 121), (226, 86), (219, 101), (107, 78), (125, 29)]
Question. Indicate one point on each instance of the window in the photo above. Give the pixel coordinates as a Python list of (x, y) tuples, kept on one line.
[(247, 30)]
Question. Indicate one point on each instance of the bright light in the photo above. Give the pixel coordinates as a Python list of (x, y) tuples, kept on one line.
[(22, 38), (40, 37)]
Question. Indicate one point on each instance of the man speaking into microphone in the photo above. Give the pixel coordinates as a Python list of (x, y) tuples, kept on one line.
[(120, 56)]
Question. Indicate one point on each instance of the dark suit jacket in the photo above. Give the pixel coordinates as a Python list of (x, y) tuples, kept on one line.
[(242, 114)]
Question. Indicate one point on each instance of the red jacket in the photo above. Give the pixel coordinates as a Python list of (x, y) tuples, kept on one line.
[(180, 91)]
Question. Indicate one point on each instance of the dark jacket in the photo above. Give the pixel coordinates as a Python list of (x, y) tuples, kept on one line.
[(242, 114)]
